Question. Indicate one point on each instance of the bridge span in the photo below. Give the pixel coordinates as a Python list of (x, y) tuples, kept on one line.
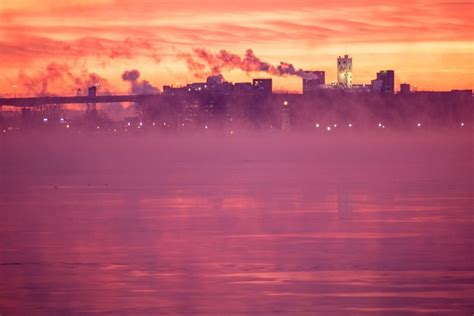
[(38, 101)]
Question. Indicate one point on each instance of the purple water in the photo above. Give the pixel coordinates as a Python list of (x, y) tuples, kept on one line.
[(244, 225)]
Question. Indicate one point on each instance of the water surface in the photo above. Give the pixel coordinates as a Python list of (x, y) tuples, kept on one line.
[(289, 225)]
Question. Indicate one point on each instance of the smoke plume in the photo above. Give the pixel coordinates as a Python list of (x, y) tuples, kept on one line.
[(203, 63), (138, 86), (58, 79)]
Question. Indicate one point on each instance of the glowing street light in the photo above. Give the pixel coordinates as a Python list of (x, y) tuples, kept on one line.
[(285, 103), (329, 128), (462, 124), (350, 124), (317, 125), (419, 124)]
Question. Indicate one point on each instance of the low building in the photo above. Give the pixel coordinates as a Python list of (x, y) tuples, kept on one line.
[(313, 81), (404, 89), (385, 82), (263, 85)]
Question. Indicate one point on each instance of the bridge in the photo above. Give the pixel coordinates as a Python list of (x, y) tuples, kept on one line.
[(38, 101)]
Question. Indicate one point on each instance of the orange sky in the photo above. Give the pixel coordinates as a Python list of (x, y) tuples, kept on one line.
[(428, 43)]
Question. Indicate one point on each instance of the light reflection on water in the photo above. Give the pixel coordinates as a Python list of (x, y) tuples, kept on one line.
[(184, 243)]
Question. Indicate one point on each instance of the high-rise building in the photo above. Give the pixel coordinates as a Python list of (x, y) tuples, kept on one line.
[(385, 82), (263, 85), (313, 81), (344, 71)]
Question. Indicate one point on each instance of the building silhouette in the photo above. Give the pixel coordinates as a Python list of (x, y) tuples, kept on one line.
[(344, 71), (263, 85), (405, 88), (385, 82), (313, 81)]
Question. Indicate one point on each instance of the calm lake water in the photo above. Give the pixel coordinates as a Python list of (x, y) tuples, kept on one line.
[(293, 225)]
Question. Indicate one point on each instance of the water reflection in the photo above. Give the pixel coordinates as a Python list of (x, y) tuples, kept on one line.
[(344, 203), (240, 240)]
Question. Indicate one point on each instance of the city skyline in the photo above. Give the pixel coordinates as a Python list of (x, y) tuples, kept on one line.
[(428, 44), (203, 65)]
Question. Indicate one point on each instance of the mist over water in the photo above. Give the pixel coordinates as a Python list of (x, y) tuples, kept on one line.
[(261, 223)]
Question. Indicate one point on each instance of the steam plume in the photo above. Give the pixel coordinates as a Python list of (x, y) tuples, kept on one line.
[(58, 78), (138, 86), (203, 63)]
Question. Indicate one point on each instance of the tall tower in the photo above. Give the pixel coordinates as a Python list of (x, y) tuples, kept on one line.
[(285, 118), (91, 110), (344, 71)]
